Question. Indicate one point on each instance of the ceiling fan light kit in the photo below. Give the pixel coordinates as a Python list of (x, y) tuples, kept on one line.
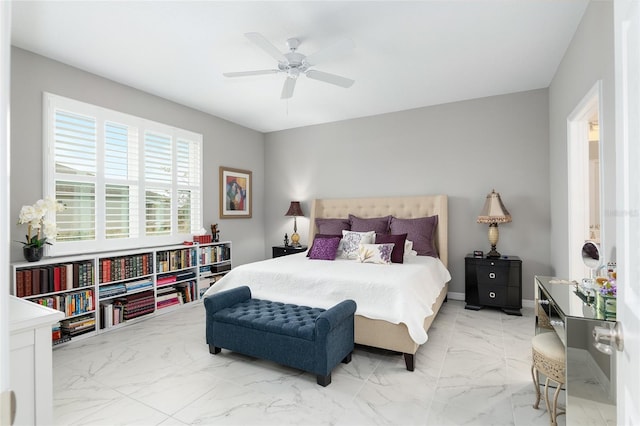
[(293, 63)]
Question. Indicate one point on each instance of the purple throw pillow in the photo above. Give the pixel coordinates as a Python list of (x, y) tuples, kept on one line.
[(324, 248), (397, 255), (332, 226), (378, 224), (420, 231), (315, 237)]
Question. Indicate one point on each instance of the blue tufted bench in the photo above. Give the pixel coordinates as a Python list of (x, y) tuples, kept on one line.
[(310, 339)]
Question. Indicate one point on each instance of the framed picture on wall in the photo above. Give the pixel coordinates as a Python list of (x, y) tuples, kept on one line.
[(235, 193)]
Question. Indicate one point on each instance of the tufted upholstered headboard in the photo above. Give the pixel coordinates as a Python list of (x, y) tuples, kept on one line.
[(401, 207)]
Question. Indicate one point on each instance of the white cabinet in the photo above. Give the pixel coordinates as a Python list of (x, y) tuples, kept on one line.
[(31, 360)]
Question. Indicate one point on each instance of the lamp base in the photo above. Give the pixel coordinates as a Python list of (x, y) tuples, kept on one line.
[(493, 240), (493, 252), (295, 240)]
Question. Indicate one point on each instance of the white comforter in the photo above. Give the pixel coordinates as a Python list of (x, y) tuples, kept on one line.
[(397, 293)]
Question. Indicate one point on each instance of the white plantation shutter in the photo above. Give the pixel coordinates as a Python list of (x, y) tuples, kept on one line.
[(77, 222), (121, 177), (125, 181), (75, 144), (189, 159)]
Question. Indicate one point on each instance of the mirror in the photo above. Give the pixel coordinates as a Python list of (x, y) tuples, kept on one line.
[(591, 256)]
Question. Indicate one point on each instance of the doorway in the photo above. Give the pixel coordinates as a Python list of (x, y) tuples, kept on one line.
[(584, 168)]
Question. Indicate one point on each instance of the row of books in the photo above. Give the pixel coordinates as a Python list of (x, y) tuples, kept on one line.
[(213, 254), (125, 267), (70, 303), (205, 282), (138, 304), (111, 314), (172, 260), (111, 290), (176, 295), (202, 239), (53, 278), (78, 325), (169, 279)]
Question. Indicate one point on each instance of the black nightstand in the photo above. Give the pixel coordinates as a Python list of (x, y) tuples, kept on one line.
[(278, 251), (495, 282)]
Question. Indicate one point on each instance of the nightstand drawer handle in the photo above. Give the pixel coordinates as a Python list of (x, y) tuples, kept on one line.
[(492, 275), (492, 295)]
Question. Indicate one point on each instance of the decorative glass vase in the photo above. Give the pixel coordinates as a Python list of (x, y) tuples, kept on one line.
[(33, 254)]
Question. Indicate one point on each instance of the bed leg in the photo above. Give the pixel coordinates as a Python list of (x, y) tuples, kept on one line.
[(409, 360), (347, 359), (214, 349)]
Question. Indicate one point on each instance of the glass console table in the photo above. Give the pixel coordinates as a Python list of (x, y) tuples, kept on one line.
[(591, 374)]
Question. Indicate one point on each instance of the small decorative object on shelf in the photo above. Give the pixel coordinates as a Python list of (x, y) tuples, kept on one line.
[(286, 240), (606, 302), (39, 228), (32, 254), (215, 232)]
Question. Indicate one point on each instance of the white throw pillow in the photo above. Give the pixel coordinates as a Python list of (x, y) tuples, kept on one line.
[(375, 253), (351, 241)]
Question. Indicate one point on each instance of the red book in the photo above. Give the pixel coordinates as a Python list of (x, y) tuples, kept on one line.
[(56, 279)]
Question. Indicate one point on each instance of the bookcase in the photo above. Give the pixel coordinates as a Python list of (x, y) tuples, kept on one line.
[(100, 291)]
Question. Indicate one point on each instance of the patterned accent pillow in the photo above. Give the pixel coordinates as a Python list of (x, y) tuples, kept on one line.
[(324, 248), (397, 256), (375, 253), (351, 242), (322, 236)]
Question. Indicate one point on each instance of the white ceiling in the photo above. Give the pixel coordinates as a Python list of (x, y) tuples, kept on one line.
[(407, 54)]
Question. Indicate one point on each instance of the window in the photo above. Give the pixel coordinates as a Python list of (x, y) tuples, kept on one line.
[(125, 181)]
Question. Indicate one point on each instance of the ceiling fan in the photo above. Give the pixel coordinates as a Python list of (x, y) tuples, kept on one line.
[(294, 64)]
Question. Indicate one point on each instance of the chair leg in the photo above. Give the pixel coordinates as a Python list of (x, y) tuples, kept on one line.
[(536, 384), (546, 400), (554, 416)]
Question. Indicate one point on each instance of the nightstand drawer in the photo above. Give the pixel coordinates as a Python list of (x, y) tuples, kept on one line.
[(277, 251), (492, 294), (493, 273)]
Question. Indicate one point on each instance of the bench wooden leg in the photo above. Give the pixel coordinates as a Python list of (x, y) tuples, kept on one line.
[(409, 360), (324, 380), (347, 359), (214, 349)]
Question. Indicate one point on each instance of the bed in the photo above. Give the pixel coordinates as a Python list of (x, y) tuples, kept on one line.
[(401, 325)]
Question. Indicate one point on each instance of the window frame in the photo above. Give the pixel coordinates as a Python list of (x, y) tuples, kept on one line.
[(53, 103)]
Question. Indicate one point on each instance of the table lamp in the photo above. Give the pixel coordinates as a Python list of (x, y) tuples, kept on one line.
[(295, 210), (493, 212)]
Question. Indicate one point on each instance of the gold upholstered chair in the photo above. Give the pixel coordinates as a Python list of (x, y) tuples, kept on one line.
[(549, 359)]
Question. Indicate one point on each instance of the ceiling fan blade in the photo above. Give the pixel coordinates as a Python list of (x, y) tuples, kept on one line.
[(331, 51), (287, 88), (248, 73), (330, 78), (266, 45)]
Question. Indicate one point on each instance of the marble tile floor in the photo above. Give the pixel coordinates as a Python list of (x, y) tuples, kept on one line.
[(474, 370)]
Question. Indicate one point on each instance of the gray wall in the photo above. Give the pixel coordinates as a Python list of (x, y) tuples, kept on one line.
[(462, 149), (224, 143), (589, 58)]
